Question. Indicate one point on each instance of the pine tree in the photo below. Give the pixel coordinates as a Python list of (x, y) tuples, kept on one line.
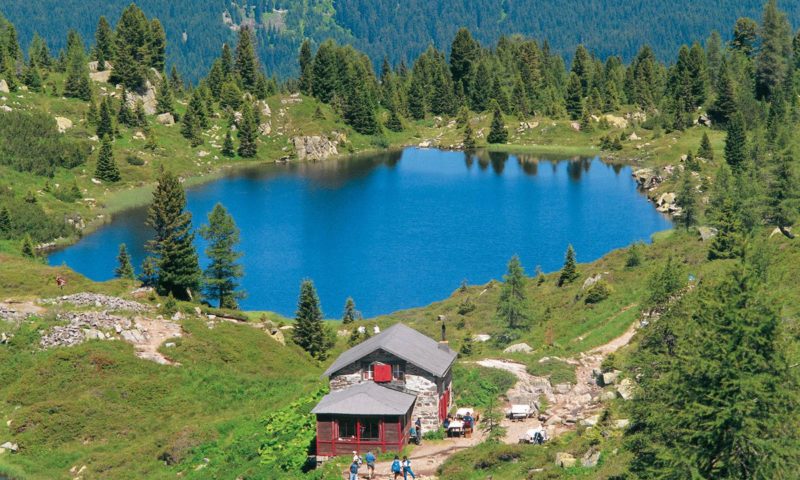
[(230, 96), (248, 133), (325, 72), (394, 123), (582, 68), (719, 393), (194, 118), (309, 330), (5, 223), (728, 242), (28, 250), (125, 115), (359, 110), (687, 201), (736, 143), (157, 46), (178, 271), (221, 277), (124, 268), (586, 121), (705, 151), (745, 33), (349, 315), (498, 132), (103, 43), (574, 97), (634, 257), (227, 146), (481, 93), (469, 138), (105, 122), (77, 83), (139, 115), (772, 61), (305, 60), (107, 169), (164, 99), (464, 53), (512, 306), (664, 283), (783, 197), (246, 61), (724, 106), (149, 275), (569, 272), (416, 98), (131, 49)]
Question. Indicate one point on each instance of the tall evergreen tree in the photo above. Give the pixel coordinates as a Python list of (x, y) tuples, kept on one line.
[(28, 250), (246, 66), (705, 151), (221, 277), (157, 46), (124, 268), (105, 122), (306, 61), (469, 138), (582, 66), (687, 201), (228, 149), (498, 132), (416, 98), (107, 169), (248, 133), (745, 34), (194, 118), (574, 97), (164, 99), (325, 74), (464, 52), (783, 194), (103, 43), (178, 271), (569, 272), (77, 83), (736, 143), (774, 53), (5, 223), (131, 49), (512, 306), (309, 330), (349, 315), (728, 242)]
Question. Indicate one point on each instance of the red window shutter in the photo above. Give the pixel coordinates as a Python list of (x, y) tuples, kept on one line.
[(383, 373)]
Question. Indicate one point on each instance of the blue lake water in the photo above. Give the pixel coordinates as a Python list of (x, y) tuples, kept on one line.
[(399, 229)]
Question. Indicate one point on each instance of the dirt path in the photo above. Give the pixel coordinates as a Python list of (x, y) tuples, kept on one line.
[(567, 404), (154, 333)]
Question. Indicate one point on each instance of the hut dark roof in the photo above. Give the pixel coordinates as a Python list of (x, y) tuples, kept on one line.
[(365, 399)]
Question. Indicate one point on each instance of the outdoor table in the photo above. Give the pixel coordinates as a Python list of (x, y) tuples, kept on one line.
[(463, 412), (456, 428)]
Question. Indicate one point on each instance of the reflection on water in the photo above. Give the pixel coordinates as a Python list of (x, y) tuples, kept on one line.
[(399, 229)]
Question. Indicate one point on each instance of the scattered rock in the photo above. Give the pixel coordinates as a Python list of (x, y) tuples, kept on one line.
[(425, 144), (590, 458), (6, 108), (265, 128), (575, 126), (4, 87), (633, 136), (202, 153), (166, 119), (590, 421), (607, 396), (617, 122), (63, 124), (565, 460), (703, 120), (706, 233), (12, 447), (481, 337), (626, 388), (98, 300), (518, 348), (265, 109), (314, 148), (562, 388), (139, 135), (148, 98), (591, 281), (622, 423), (647, 178), (609, 378)]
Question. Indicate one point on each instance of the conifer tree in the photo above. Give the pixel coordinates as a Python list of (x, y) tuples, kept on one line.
[(228, 149), (325, 72), (736, 143), (230, 96), (512, 306), (164, 99), (125, 115), (728, 242), (574, 97), (745, 33), (157, 46), (582, 68), (131, 49), (498, 132), (107, 169), (149, 275), (178, 271), (772, 61), (105, 122), (5, 223), (221, 277), (309, 331), (77, 83), (687, 201), (783, 196), (416, 98), (359, 111), (103, 43), (28, 250), (724, 106), (394, 123), (349, 315), (469, 138), (194, 119), (705, 151), (124, 268), (569, 272), (305, 60), (586, 121), (481, 93), (246, 61), (464, 53), (248, 133)]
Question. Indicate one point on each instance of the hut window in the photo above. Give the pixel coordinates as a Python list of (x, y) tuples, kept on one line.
[(370, 429), (347, 428)]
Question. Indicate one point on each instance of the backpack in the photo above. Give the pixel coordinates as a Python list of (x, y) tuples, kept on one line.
[(354, 468), (396, 466)]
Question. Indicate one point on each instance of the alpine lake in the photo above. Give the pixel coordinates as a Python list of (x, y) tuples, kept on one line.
[(398, 229)]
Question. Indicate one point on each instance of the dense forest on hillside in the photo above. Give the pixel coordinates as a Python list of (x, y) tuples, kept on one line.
[(399, 31)]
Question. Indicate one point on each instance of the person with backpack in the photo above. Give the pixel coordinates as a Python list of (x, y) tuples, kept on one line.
[(407, 469), (370, 458), (354, 471), (396, 468)]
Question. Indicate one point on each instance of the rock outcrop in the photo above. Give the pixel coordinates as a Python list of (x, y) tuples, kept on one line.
[(314, 148), (4, 87), (647, 178), (63, 124), (148, 98), (166, 119), (98, 300)]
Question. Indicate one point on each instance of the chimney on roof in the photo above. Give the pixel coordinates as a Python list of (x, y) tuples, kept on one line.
[(443, 344)]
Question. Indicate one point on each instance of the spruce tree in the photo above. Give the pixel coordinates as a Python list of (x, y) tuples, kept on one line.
[(178, 271), (469, 138), (586, 121), (248, 133), (394, 123), (246, 65), (464, 52), (574, 97), (498, 132), (783, 196), (349, 315), (705, 151), (230, 97), (149, 275), (513, 305), (736, 143), (28, 250), (687, 201), (77, 83), (124, 268), (481, 93), (103, 43), (105, 122), (125, 115), (724, 106), (164, 99), (5, 223), (745, 34), (221, 277), (107, 169), (359, 111), (157, 46), (416, 98), (131, 49), (305, 60), (194, 118), (228, 149), (772, 61), (728, 242), (569, 272), (664, 283), (309, 330)]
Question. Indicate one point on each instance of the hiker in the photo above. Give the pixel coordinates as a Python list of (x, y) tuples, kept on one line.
[(469, 422), (357, 458), (354, 470), (413, 435), (407, 469), (370, 458), (418, 424), (396, 468)]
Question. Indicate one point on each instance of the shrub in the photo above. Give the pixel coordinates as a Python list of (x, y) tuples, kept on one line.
[(134, 160), (437, 434), (597, 293)]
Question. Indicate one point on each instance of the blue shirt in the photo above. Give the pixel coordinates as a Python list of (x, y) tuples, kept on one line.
[(370, 458)]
